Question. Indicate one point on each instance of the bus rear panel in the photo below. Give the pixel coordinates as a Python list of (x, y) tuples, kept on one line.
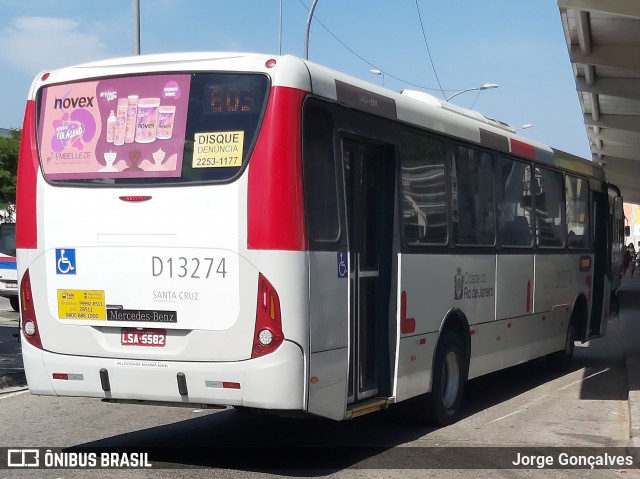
[(137, 279)]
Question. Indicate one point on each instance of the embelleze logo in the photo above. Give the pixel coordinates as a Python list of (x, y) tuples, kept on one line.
[(109, 95)]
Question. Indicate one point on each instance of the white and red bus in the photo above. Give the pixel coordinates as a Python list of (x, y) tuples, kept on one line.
[(263, 232)]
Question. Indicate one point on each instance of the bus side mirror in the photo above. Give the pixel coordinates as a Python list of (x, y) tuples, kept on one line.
[(618, 209), (627, 230)]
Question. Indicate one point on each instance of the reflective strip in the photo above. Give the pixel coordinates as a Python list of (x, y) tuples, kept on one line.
[(28, 167)]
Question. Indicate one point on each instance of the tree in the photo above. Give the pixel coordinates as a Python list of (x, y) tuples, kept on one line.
[(9, 148)]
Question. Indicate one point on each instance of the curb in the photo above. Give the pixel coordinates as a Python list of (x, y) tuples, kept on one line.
[(633, 399), (633, 402), (629, 302)]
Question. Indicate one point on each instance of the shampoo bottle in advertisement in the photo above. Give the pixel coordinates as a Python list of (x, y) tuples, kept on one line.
[(166, 115), (121, 121), (147, 121), (111, 127), (132, 113)]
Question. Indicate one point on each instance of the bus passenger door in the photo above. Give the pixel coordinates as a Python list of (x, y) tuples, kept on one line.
[(328, 266), (601, 280), (369, 195)]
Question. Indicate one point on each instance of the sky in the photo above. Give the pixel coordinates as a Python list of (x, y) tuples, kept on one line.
[(428, 45)]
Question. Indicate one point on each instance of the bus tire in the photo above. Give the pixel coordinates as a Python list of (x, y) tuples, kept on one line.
[(442, 405), (561, 360), (13, 300)]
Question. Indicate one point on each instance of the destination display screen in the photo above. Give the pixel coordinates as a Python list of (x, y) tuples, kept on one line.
[(231, 99)]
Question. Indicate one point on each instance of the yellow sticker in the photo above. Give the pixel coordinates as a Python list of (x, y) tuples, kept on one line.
[(81, 304), (217, 149)]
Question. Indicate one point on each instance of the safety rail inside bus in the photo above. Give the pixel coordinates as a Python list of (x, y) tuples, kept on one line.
[(227, 229)]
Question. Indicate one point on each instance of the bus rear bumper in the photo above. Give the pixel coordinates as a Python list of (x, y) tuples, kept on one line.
[(274, 381)]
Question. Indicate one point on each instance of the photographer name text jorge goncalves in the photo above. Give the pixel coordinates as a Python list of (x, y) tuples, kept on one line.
[(565, 459)]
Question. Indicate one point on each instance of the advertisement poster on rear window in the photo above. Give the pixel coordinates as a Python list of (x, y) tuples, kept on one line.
[(130, 127)]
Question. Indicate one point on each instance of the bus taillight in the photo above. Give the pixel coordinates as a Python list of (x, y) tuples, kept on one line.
[(268, 335), (29, 323)]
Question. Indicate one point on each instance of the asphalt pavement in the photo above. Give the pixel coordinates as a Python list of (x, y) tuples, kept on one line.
[(11, 368)]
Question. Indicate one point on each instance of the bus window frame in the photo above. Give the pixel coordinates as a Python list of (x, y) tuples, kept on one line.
[(314, 243), (112, 182), (568, 174), (562, 207), (532, 243), (454, 145), (354, 124), (420, 247)]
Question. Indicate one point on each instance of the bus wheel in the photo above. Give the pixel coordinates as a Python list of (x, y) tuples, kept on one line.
[(441, 406), (561, 360), (13, 300)]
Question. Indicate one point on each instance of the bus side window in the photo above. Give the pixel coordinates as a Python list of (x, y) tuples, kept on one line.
[(319, 176), (514, 206), (472, 197), (423, 197), (578, 229), (548, 198)]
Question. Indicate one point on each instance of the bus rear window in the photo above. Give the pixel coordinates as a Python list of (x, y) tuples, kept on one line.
[(150, 129)]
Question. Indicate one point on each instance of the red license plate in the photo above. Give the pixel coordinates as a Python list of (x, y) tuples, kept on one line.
[(143, 337)]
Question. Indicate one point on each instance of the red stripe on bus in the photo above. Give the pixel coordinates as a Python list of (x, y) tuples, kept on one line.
[(523, 149), (407, 325), (275, 204), (26, 229)]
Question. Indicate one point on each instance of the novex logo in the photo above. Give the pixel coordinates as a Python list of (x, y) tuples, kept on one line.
[(80, 102)]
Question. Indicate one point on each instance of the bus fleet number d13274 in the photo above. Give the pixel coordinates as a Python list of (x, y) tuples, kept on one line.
[(183, 267)]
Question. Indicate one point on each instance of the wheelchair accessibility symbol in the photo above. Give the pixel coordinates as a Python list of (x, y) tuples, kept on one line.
[(65, 261), (342, 264)]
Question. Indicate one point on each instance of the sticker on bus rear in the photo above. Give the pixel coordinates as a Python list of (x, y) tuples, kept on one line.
[(142, 315), (65, 261), (218, 149), (81, 304), (121, 127)]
